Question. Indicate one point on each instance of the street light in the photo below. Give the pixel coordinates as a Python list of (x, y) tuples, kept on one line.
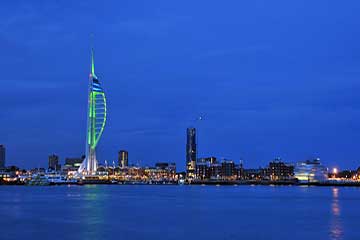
[(335, 171)]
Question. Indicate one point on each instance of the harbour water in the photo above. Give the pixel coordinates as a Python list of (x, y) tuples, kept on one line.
[(179, 212)]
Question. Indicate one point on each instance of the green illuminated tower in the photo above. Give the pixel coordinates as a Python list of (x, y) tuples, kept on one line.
[(96, 118)]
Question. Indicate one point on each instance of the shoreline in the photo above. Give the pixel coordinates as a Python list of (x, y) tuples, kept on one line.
[(202, 183)]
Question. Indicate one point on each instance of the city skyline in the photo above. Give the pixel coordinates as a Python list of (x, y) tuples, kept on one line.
[(180, 119), (291, 93)]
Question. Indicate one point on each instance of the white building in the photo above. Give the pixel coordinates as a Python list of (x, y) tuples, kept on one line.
[(310, 171)]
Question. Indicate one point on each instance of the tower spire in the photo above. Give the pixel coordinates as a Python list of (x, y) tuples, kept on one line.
[(92, 62), (92, 54)]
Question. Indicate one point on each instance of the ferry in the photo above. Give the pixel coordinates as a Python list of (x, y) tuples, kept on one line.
[(38, 180), (50, 179), (57, 179)]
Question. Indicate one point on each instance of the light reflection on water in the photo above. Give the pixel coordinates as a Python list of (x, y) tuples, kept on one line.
[(93, 212), (336, 230), (178, 212)]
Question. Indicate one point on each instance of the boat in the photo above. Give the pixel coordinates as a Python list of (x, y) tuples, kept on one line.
[(49, 179), (57, 179), (38, 180)]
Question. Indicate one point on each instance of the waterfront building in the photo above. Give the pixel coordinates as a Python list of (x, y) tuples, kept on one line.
[(2, 156), (123, 158), (210, 160), (96, 118), (162, 171), (53, 162), (255, 173), (9, 174), (209, 168), (136, 173), (171, 167), (347, 174), (4, 175), (228, 171), (73, 164), (203, 170), (279, 170), (117, 170), (190, 152), (311, 171), (159, 174), (102, 171), (215, 171)]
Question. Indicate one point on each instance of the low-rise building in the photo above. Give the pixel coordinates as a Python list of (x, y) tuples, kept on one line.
[(228, 171), (255, 174), (72, 164), (215, 171), (279, 170), (203, 170)]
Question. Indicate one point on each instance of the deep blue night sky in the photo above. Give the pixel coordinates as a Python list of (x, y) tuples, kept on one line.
[(270, 78)]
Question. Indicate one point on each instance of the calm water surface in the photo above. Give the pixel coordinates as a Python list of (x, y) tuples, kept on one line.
[(179, 212)]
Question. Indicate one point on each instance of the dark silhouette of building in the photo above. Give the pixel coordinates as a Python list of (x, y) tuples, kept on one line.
[(215, 171), (73, 164), (349, 174), (279, 170), (240, 171), (2, 156), (203, 170), (53, 162), (255, 173), (123, 158), (190, 151), (171, 167), (228, 170)]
